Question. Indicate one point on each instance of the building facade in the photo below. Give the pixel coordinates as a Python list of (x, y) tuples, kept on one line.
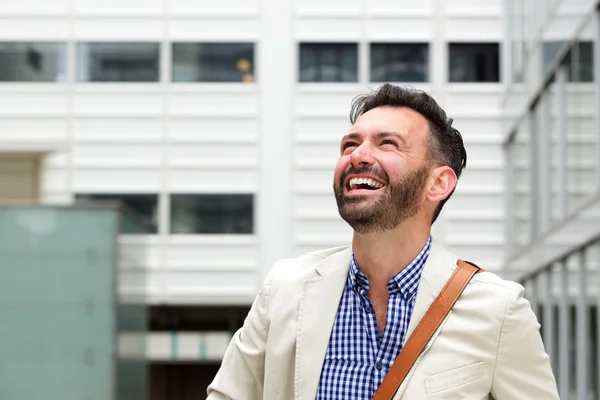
[(219, 122), (552, 147)]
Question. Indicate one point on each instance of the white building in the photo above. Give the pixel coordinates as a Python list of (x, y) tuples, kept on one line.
[(220, 122)]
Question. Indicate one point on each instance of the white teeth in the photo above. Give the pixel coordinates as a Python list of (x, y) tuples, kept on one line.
[(364, 181)]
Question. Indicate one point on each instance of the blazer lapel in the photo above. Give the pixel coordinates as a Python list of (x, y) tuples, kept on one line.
[(437, 270), (316, 315)]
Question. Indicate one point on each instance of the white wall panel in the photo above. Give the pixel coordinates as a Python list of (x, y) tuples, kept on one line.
[(119, 29), (34, 7), (481, 29), (210, 103), (209, 151), (59, 159), (327, 5), (217, 29), (219, 252), (399, 5), (34, 29), (116, 6), (409, 29), (210, 282), (465, 100), (117, 130), (323, 102), (311, 128), (42, 129), (39, 104), (476, 200), (212, 179), (54, 180), (118, 104), (491, 128), (116, 180), (474, 6), (213, 129), (225, 5), (322, 226), (307, 152), (311, 202), (130, 154), (328, 29)]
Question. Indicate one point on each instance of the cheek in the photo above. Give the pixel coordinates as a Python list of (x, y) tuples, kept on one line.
[(341, 167)]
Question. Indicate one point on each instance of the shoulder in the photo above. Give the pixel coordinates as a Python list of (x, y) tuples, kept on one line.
[(308, 265)]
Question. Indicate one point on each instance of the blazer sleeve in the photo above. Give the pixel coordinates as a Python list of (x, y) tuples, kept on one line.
[(523, 368), (242, 369)]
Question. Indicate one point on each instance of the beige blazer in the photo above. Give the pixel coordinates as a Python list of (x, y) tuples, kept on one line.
[(488, 344)]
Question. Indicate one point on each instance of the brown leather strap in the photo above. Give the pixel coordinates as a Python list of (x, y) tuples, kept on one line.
[(426, 328)]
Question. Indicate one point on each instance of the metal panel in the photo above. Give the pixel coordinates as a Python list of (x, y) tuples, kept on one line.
[(563, 333), (582, 324)]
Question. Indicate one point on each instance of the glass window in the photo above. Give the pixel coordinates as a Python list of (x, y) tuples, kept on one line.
[(399, 62), (117, 62), (142, 216), (32, 62), (522, 185), (581, 136), (213, 62), (474, 62), (328, 62), (212, 213)]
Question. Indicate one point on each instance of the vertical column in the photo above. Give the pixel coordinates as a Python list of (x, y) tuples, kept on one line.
[(561, 87), (582, 323), (438, 75), (548, 320), (533, 175), (564, 337), (276, 63), (597, 89)]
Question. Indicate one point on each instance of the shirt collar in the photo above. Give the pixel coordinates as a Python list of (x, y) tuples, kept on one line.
[(406, 281)]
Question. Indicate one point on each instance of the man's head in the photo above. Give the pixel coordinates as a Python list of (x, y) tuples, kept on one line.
[(401, 159)]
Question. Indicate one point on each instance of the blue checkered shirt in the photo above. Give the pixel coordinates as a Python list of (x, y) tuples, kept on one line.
[(357, 357)]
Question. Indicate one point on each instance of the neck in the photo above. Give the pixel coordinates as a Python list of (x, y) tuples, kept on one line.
[(382, 255)]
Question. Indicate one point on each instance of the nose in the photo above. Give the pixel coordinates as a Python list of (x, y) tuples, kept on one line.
[(361, 156)]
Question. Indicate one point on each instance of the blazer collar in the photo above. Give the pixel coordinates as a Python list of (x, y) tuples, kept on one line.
[(437, 270), (316, 315)]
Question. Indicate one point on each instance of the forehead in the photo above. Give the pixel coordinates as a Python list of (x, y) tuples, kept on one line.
[(402, 120)]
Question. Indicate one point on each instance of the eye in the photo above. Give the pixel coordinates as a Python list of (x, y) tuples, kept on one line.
[(389, 142), (348, 145)]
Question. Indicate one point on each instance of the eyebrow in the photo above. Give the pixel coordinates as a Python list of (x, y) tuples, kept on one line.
[(379, 135)]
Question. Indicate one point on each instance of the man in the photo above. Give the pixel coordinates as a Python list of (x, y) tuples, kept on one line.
[(329, 324)]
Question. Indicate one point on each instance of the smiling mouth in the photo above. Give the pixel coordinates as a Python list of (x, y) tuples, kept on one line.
[(364, 183)]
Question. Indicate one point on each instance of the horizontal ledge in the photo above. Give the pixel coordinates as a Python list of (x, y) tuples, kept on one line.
[(137, 13), (218, 240)]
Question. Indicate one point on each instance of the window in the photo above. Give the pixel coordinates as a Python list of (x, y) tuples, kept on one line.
[(474, 62), (399, 62), (141, 215), (212, 213), (117, 62), (328, 62), (213, 62), (32, 62)]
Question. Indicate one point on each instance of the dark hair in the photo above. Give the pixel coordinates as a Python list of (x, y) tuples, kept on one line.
[(445, 142)]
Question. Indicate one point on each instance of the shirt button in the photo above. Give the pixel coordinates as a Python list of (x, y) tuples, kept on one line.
[(378, 366)]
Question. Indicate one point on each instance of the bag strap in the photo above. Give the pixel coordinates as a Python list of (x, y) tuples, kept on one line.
[(426, 328)]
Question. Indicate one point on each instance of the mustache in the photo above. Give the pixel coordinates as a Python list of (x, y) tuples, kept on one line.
[(364, 170)]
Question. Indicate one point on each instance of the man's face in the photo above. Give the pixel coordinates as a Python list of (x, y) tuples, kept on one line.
[(383, 169)]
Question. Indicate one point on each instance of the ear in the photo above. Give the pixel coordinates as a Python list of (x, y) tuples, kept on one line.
[(442, 182)]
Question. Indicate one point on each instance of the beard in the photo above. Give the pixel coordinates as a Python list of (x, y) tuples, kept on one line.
[(400, 200)]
